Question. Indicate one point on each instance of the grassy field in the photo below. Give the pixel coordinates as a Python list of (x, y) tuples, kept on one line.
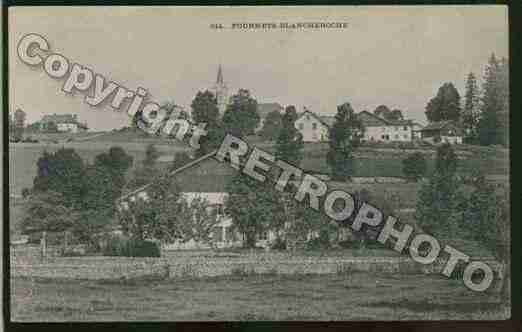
[(357, 296)]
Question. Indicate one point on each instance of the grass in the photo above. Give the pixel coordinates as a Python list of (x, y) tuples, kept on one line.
[(355, 296)]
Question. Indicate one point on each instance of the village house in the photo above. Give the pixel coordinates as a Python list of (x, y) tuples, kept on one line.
[(312, 127), (207, 180), (63, 122), (442, 132), (315, 128), (382, 130)]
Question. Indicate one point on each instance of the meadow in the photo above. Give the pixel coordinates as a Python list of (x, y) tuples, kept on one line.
[(353, 296)]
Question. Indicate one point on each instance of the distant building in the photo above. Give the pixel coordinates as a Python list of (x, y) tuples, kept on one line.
[(221, 92), (63, 122), (442, 132), (417, 130), (263, 109), (312, 127), (384, 130)]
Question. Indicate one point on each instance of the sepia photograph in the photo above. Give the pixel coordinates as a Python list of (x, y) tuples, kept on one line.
[(258, 163)]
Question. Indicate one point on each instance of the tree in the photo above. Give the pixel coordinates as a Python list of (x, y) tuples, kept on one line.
[(197, 221), (445, 105), (486, 216), (241, 117), (414, 166), (205, 109), (46, 212), (62, 172), (252, 206), (493, 123), (106, 179), (396, 115), (272, 125), (343, 140), (470, 114), (289, 143), (384, 112), (446, 160), (440, 199), (154, 217)]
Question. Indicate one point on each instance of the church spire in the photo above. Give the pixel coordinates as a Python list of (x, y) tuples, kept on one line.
[(219, 76)]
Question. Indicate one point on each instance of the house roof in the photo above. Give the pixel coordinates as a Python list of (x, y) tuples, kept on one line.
[(319, 118), (59, 118), (382, 120), (264, 108), (439, 125)]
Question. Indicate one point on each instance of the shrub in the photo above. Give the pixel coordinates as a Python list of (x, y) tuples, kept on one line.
[(120, 246), (278, 244), (414, 166)]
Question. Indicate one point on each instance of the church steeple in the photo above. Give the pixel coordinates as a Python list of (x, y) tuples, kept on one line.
[(221, 92), (219, 76)]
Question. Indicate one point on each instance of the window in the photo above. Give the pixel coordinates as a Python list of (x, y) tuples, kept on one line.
[(263, 236), (307, 117), (301, 126), (405, 128), (396, 128), (383, 129), (314, 126)]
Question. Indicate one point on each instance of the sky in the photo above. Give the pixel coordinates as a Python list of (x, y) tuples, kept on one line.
[(393, 55)]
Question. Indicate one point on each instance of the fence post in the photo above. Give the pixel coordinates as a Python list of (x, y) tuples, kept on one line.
[(43, 245)]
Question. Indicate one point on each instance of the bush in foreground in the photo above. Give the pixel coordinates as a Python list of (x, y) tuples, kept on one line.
[(118, 246), (414, 166)]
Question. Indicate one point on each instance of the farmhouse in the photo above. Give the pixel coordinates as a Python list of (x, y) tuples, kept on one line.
[(63, 122), (206, 179), (380, 129), (312, 127), (442, 131)]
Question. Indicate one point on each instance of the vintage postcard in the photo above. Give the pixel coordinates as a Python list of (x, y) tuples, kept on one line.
[(273, 163)]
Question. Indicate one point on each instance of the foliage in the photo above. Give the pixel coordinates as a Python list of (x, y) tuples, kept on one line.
[(241, 117), (493, 124), (414, 166), (440, 199), (272, 126), (46, 212), (205, 109), (157, 216), (384, 112), (121, 246), (344, 138), (253, 206), (446, 160), (470, 114), (289, 145), (51, 127), (62, 172), (445, 105), (197, 221)]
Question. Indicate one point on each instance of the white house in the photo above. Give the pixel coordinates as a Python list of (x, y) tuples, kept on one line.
[(63, 122), (383, 130), (442, 132), (312, 127)]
